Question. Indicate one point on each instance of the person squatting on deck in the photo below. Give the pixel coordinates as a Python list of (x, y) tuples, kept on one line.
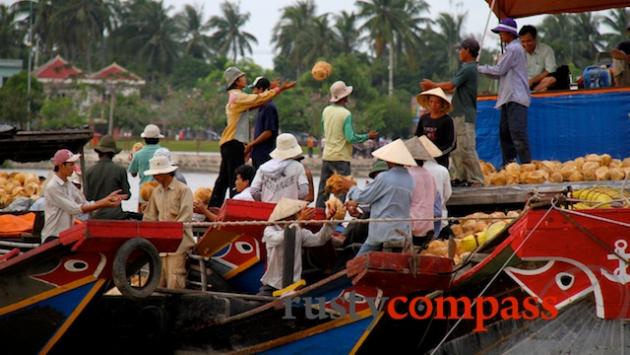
[(339, 136), (64, 202), (273, 237), (389, 196), (236, 134), (513, 98), (283, 175), (170, 201)]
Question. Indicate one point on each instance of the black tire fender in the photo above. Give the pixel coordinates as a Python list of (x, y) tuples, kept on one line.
[(121, 269)]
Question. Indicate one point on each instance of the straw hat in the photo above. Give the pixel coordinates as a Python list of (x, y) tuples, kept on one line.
[(339, 90), (423, 99), (160, 165), (151, 131), (107, 145), (286, 207), (417, 150), (287, 147), (395, 152), (430, 147), (378, 167), (321, 70)]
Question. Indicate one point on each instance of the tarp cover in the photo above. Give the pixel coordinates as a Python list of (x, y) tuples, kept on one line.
[(564, 127), (520, 8)]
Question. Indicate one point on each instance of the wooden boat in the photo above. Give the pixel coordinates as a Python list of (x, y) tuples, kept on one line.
[(43, 290)]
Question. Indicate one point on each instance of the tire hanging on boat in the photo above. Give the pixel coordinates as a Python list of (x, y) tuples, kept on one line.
[(122, 268)]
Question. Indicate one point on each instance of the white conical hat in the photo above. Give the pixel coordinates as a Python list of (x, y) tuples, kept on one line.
[(286, 207), (395, 152), (430, 146), (417, 150)]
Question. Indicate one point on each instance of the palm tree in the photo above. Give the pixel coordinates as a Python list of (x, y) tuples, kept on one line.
[(390, 21), (10, 34), (553, 32), (588, 40), (617, 21), (291, 35), (229, 36), (196, 43), (348, 34), (450, 33), (38, 13)]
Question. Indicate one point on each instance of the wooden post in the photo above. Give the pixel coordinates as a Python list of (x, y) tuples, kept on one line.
[(83, 170), (289, 256)]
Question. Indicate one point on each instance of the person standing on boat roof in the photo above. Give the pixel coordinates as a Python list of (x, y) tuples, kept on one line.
[(338, 136), (106, 176), (236, 134), (170, 201), (283, 175), (273, 237), (389, 196), (513, 98), (64, 201), (140, 161)]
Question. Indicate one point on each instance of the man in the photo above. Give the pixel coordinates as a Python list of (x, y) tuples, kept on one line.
[(140, 161), (541, 61), (106, 176), (283, 175), (310, 145), (339, 137), (236, 134), (170, 201), (513, 98), (389, 196), (464, 84), (64, 201), (266, 127), (242, 185), (440, 176), (621, 62)]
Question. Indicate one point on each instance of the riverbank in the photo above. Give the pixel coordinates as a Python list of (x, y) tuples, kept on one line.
[(205, 162)]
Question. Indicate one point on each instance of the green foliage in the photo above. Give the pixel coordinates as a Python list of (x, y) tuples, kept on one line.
[(187, 71), (133, 112), (14, 99), (58, 113), (390, 115)]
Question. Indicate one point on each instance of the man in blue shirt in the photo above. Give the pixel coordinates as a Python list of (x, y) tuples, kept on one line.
[(513, 98), (266, 127)]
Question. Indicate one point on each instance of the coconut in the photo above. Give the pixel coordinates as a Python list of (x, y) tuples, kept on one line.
[(480, 226), (616, 174), (321, 70), (575, 176), (626, 162), (512, 168), (18, 178), (567, 169), (602, 173), (202, 194), (528, 167), (469, 226), (486, 168), (556, 176), (147, 189), (498, 179), (32, 189), (536, 177), (457, 229), (513, 214), (579, 162), (605, 159), (335, 204), (593, 158), (337, 184), (615, 163)]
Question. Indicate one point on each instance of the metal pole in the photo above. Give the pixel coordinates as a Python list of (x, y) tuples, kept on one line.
[(289, 256), (112, 100), (30, 54), (485, 29)]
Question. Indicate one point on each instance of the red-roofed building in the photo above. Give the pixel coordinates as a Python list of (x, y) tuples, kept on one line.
[(115, 72), (57, 70)]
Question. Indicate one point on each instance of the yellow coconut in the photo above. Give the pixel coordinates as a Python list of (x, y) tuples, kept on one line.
[(575, 176), (615, 163), (202, 194), (616, 174), (556, 176), (321, 70), (593, 158), (147, 189), (536, 177), (528, 167), (498, 179), (567, 169), (602, 173), (457, 229), (605, 159), (626, 162)]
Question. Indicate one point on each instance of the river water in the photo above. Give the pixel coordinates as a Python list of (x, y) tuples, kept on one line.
[(194, 179)]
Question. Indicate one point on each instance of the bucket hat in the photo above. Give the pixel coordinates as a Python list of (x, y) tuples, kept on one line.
[(287, 147), (339, 90), (230, 75), (107, 145), (160, 165), (378, 167), (151, 131), (506, 25)]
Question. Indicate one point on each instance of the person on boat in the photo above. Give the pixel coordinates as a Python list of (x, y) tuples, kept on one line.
[(339, 136), (620, 69), (283, 175), (310, 196), (265, 127), (170, 201), (442, 182), (436, 124), (389, 196), (425, 200), (140, 161), (244, 176), (64, 202), (167, 153), (236, 134), (541, 61), (513, 97), (466, 170), (273, 237), (106, 176)]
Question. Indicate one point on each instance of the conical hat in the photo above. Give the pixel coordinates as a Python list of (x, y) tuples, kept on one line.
[(417, 150), (395, 152), (286, 207), (430, 147), (423, 99)]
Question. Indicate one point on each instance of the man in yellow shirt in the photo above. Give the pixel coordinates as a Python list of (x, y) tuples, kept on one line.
[(236, 134)]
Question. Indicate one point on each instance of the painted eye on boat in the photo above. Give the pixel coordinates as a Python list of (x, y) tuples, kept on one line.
[(358, 299), (564, 280), (244, 247), (75, 265)]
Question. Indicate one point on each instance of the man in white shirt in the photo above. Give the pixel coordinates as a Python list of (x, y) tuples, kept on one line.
[(541, 61), (64, 202), (440, 175)]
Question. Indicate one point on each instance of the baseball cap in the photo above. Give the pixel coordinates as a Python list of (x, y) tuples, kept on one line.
[(65, 156)]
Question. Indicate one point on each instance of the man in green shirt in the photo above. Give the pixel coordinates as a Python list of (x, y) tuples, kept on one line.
[(106, 177), (339, 134), (466, 170), (140, 161)]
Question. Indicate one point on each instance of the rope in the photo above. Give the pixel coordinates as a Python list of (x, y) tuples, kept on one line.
[(483, 291), (323, 221)]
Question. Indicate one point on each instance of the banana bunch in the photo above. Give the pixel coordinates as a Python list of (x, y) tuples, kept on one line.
[(597, 197)]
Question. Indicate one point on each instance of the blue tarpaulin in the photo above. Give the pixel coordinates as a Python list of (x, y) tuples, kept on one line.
[(564, 127)]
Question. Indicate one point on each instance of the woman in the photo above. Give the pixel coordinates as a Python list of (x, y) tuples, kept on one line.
[(436, 124)]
